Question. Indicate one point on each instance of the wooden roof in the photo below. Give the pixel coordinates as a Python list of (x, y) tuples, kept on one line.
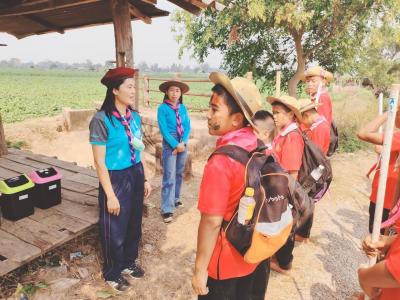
[(23, 18)]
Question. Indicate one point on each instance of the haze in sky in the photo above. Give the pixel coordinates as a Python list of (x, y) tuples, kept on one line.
[(153, 43)]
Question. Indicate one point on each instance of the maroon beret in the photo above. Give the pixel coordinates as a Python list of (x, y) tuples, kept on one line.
[(116, 74)]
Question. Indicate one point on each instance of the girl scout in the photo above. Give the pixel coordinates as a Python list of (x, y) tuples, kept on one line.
[(115, 135)]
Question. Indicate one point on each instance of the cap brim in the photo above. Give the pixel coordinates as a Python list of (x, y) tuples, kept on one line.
[(223, 79), (166, 85), (295, 110)]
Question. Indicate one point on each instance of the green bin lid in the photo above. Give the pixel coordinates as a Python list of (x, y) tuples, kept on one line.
[(15, 184)]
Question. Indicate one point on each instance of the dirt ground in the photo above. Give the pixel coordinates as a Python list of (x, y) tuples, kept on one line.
[(324, 268)]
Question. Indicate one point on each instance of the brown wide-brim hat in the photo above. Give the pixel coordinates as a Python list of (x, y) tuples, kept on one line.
[(178, 83), (317, 71), (290, 102), (243, 90), (307, 104)]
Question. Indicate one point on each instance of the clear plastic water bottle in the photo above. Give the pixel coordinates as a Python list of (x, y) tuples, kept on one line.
[(246, 206), (317, 172)]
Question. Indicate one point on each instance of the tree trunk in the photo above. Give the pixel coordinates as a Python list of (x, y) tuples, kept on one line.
[(3, 144), (301, 65)]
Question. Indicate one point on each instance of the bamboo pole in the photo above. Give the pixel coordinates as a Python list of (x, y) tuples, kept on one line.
[(278, 84), (387, 144), (380, 108)]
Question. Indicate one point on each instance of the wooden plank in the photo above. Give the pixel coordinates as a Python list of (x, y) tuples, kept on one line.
[(62, 222), (75, 186), (5, 173), (13, 166), (54, 162), (40, 214), (136, 12), (16, 250), (79, 198), (35, 233), (22, 159), (85, 179), (85, 213)]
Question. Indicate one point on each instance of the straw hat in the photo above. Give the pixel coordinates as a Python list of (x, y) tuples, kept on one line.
[(290, 102), (307, 104), (174, 82), (317, 71), (243, 90)]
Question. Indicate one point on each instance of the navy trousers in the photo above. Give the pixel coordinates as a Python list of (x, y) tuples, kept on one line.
[(120, 235)]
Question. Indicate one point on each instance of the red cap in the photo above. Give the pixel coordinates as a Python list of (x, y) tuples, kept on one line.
[(116, 74)]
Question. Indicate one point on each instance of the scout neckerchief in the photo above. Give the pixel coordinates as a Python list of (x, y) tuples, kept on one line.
[(179, 127), (125, 121)]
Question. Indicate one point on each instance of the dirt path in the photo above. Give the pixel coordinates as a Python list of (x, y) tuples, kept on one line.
[(324, 268)]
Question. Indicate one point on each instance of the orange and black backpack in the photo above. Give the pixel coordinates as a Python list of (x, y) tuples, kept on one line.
[(280, 205)]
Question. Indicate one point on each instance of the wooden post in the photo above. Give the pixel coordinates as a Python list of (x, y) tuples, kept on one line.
[(146, 94), (387, 143), (123, 33), (3, 144), (278, 84), (380, 108), (249, 76), (137, 89)]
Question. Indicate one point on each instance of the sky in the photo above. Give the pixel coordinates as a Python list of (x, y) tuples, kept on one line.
[(153, 43)]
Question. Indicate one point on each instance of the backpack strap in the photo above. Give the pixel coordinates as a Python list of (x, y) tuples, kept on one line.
[(235, 152)]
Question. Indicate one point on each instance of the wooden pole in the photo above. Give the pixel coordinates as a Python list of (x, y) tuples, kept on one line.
[(122, 32), (278, 84), (137, 89), (380, 108), (3, 144), (146, 94), (387, 144)]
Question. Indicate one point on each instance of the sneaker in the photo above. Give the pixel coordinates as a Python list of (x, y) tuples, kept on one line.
[(179, 204), (134, 271), (167, 217), (119, 285)]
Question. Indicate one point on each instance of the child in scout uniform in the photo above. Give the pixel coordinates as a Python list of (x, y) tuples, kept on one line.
[(288, 147), (174, 123), (316, 79), (266, 129), (220, 270), (115, 135), (315, 126), (370, 133)]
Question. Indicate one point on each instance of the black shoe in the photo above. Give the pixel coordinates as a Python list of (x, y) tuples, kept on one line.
[(134, 271), (167, 217), (179, 204), (119, 285)]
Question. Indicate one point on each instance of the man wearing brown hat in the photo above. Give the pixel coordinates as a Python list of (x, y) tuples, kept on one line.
[(220, 271), (316, 79)]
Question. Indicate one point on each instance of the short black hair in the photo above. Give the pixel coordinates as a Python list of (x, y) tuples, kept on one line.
[(262, 115), (230, 101)]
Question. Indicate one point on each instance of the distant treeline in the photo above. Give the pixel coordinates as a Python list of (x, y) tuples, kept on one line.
[(88, 65)]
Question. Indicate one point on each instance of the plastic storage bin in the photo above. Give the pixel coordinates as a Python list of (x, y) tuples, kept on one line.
[(17, 197), (47, 187)]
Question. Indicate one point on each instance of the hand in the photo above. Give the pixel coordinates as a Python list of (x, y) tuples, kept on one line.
[(113, 205), (175, 151), (199, 282), (147, 189), (181, 147), (373, 249)]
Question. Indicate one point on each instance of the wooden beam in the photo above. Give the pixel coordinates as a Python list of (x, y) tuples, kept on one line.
[(44, 23), (122, 32), (3, 144), (199, 4), (136, 12), (41, 6), (187, 6), (154, 2)]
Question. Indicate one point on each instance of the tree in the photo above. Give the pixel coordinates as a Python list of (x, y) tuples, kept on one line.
[(263, 36)]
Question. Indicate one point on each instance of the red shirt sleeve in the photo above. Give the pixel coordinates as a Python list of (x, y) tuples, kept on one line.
[(325, 109), (393, 259), (292, 151), (215, 186)]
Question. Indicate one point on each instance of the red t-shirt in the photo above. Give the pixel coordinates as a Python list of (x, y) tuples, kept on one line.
[(289, 147), (325, 109), (320, 134), (393, 265), (392, 174), (222, 186)]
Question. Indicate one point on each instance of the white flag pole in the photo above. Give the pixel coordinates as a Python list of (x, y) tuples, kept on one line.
[(387, 144), (380, 108)]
